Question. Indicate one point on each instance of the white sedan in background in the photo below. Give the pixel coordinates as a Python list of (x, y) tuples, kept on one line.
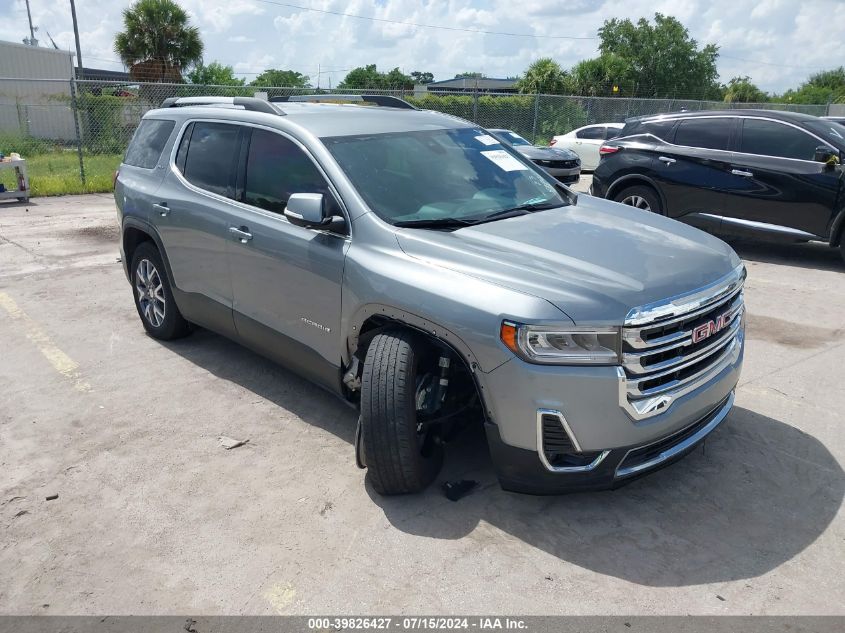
[(585, 141)]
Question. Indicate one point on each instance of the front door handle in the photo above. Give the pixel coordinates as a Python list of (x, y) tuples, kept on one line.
[(163, 209), (667, 160), (241, 233), (743, 173)]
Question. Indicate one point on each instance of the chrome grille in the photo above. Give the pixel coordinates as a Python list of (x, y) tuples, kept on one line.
[(688, 341)]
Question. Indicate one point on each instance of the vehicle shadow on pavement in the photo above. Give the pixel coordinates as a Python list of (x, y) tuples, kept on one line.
[(754, 496), (232, 362), (818, 256)]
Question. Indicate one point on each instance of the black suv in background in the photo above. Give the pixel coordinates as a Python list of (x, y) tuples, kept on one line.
[(755, 173)]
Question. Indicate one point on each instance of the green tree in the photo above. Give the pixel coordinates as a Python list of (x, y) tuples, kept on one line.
[(599, 76), (214, 74), (825, 87), (396, 80), (469, 76), (157, 43), (543, 76), (282, 79), (422, 77), (665, 62), (741, 90), (369, 77)]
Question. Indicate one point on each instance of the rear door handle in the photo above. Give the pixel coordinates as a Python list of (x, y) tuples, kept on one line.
[(163, 209), (740, 172), (667, 160), (241, 233)]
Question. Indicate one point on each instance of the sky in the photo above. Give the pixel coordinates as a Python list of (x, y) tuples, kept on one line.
[(778, 43)]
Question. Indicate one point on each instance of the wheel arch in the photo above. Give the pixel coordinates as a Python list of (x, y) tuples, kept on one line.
[(136, 232), (837, 229), (376, 318), (632, 180)]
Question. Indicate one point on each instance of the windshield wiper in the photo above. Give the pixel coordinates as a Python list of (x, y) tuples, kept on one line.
[(522, 209), (434, 223), (451, 223)]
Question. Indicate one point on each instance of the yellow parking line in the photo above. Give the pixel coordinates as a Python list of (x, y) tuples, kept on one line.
[(280, 597), (62, 363)]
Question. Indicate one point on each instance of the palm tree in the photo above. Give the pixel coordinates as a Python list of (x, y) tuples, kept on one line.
[(158, 43), (543, 76)]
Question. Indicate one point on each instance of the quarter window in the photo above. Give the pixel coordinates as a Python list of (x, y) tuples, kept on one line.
[(704, 133), (660, 129), (148, 143), (769, 138), (276, 168), (596, 132), (211, 158)]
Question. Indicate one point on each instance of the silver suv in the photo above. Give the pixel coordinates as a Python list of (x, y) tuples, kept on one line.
[(408, 262)]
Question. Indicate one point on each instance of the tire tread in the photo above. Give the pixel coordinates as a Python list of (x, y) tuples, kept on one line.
[(394, 463)]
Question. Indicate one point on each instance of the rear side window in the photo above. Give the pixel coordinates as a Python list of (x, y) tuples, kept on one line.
[(769, 138), (148, 143), (705, 133), (276, 168), (182, 152), (595, 132), (661, 128), (613, 132), (212, 154)]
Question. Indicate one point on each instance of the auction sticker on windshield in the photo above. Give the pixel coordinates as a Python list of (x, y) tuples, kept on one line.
[(504, 160), (486, 139)]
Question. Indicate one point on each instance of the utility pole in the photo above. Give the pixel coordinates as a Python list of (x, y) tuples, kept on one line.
[(76, 36), (32, 41), (318, 76)]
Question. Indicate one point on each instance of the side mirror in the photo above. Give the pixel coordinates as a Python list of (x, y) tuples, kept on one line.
[(828, 155), (309, 210)]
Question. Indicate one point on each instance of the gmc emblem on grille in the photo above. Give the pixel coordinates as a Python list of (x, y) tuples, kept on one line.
[(706, 330)]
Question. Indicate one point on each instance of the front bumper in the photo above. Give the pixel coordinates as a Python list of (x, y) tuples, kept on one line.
[(591, 406), (566, 176), (521, 470)]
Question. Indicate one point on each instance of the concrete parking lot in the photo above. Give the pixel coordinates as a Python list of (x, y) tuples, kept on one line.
[(154, 516)]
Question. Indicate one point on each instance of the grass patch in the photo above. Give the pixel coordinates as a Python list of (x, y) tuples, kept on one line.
[(57, 173)]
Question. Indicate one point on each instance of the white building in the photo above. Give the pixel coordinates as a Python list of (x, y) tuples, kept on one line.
[(35, 92)]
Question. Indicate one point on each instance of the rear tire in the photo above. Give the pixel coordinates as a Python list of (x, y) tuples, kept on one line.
[(640, 197), (400, 458), (153, 295)]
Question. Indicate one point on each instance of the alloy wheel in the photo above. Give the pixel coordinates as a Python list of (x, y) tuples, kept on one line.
[(150, 288), (637, 201)]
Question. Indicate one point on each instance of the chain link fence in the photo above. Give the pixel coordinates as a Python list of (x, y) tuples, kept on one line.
[(73, 133)]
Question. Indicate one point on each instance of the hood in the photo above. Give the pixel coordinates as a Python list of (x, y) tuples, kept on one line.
[(545, 153), (594, 260)]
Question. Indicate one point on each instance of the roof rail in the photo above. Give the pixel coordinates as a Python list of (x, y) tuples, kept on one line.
[(247, 103), (384, 101)]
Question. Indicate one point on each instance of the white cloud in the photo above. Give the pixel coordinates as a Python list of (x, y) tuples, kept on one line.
[(793, 38)]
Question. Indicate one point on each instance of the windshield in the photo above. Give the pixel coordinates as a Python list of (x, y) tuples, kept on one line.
[(830, 131), (463, 174), (513, 138)]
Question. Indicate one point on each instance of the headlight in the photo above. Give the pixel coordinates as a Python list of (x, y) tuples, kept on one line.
[(562, 345)]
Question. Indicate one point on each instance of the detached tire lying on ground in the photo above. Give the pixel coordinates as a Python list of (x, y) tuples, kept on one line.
[(641, 197), (402, 455), (153, 296)]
